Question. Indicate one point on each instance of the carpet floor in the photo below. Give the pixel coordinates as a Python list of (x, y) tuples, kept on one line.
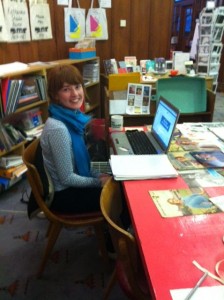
[(74, 271)]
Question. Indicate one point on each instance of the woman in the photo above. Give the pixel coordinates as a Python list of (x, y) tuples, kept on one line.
[(77, 188)]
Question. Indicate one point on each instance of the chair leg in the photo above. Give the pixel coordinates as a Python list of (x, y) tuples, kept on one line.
[(110, 285), (49, 229), (102, 243), (55, 229)]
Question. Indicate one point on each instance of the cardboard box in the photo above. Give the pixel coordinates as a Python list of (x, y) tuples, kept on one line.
[(82, 53)]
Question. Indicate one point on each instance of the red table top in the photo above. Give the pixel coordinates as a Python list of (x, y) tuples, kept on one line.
[(169, 245)]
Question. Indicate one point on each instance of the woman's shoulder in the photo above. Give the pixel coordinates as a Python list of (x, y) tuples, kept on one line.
[(51, 121), (53, 126)]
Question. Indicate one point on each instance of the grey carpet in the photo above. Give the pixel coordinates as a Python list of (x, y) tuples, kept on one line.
[(74, 271)]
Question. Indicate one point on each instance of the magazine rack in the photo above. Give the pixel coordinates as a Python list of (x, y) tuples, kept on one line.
[(209, 47)]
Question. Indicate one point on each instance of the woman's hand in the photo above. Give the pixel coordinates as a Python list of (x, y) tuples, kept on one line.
[(103, 178)]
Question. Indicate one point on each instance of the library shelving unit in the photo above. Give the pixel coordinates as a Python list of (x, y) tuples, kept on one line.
[(89, 68)]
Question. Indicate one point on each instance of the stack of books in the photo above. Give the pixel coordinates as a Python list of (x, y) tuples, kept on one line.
[(11, 170)]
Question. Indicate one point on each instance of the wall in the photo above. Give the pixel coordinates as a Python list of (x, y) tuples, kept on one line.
[(147, 34)]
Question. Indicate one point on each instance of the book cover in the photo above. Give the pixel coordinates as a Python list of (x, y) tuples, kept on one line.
[(183, 202), (29, 91), (202, 178), (130, 60), (189, 144), (183, 160), (5, 91), (209, 159), (110, 66)]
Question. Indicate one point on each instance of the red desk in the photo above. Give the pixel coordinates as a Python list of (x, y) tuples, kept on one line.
[(169, 245)]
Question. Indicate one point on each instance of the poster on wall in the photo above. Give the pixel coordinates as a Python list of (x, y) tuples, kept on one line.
[(17, 20), (40, 20), (3, 30)]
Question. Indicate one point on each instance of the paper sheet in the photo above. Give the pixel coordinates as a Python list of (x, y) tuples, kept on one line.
[(202, 293)]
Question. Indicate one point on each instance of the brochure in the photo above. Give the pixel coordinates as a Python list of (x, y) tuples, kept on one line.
[(138, 99)]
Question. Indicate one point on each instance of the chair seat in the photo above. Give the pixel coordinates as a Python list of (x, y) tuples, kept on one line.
[(80, 216)]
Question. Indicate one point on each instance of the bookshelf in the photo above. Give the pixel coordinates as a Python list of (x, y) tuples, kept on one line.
[(89, 68)]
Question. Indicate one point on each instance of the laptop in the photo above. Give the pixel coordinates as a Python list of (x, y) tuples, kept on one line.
[(159, 137)]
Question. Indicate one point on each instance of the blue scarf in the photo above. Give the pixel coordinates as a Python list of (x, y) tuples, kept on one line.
[(75, 121)]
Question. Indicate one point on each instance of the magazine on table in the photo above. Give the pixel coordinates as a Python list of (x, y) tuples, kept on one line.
[(183, 202), (210, 159), (202, 178), (138, 99), (183, 160)]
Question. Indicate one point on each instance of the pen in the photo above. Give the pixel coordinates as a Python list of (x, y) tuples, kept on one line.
[(196, 286)]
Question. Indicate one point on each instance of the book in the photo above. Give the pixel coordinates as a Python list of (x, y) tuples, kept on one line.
[(183, 202), (29, 91), (5, 138), (15, 135), (13, 171), (122, 67), (110, 66), (11, 160), (130, 60), (138, 167), (183, 160), (209, 159)]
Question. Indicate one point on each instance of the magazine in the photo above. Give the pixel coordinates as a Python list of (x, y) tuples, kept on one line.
[(183, 160), (183, 202), (213, 159), (202, 178), (138, 98)]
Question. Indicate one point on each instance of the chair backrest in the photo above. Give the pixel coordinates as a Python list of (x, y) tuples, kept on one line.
[(38, 180), (123, 241)]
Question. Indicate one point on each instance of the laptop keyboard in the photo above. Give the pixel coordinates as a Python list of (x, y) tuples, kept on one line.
[(140, 142)]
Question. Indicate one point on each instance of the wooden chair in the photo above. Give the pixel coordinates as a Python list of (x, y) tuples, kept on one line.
[(58, 221), (128, 268)]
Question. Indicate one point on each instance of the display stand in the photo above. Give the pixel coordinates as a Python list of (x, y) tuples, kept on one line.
[(209, 47)]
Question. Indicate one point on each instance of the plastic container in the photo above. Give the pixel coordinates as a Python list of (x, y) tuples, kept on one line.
[(186, 93)]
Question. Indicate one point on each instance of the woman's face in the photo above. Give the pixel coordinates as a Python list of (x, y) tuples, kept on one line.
[(70, 96)]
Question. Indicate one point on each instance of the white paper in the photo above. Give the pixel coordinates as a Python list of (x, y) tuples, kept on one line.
[(117, 107), (62, 2), (134, 167), (179, 61), (202, 293), (12, 67), (105, 3)]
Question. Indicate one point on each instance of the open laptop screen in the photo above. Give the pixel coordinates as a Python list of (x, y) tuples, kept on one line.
[(164, 123)]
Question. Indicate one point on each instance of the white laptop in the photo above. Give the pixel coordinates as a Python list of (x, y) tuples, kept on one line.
[(160, 136)]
